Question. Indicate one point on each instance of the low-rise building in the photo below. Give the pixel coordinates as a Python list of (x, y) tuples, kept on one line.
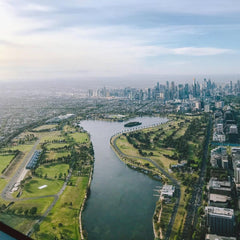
[(168, 190)]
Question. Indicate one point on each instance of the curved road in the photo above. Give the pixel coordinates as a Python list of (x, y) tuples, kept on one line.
[(174, 181)]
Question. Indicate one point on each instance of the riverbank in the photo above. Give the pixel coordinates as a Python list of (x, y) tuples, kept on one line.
[(83, 206), (141, 165)]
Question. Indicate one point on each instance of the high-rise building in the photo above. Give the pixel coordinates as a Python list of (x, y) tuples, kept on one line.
[(220, 220)]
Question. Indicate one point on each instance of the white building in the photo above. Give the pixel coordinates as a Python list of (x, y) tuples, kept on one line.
[(167, 190)]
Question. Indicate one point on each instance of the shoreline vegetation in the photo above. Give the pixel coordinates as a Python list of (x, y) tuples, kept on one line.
[(60, 180), (174, 151)]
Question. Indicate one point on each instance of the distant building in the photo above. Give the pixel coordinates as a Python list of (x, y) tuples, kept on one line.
[(220, 220), (217, 237), (219, 128), (236, 163), (219, 137), (236, 168), (219, 157), (233, 129), (207, 108), (219, 104)]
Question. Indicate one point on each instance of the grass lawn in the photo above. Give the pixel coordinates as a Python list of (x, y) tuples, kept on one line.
[(56, 145), (55, 155), (4, 161), (80, 137), (31, 188), (41, 204), (181, 214), (51, 136), (45, 127), (19, 223), (163, 161), (52, 170), (65, 221), (23, 148), (68, 128), (166, 215), (126, 147)]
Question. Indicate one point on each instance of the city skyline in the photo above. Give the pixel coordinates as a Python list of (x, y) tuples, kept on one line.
[(91, 39)]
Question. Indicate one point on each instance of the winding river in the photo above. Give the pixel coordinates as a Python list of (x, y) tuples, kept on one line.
[(121, 203)]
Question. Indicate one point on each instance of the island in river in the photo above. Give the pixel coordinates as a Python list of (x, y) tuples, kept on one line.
[(132, 124)]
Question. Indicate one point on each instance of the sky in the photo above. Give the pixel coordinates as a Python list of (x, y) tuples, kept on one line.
[(81, 39)]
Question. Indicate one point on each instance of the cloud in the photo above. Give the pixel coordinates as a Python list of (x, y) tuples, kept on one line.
[(37, 7), (204, 51)]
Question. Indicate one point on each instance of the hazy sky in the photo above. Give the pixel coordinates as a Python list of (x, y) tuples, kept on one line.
[(51, 39)]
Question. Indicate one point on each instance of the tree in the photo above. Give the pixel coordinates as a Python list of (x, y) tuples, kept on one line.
[(33, 210), (36, 228)]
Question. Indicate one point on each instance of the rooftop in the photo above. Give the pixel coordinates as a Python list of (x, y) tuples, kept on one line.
[(219, 211), (218, 198), (216, 237)]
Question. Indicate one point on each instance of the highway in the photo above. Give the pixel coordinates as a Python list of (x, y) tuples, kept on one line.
[(174, 181)]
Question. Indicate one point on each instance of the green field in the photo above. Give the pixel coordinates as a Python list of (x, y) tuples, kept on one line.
[(80, 137), (69, 203), (55, 155), (51, 136), (4, 161), (52, 170), (45, 127), (18, 219), (23, 148), (31, 188)]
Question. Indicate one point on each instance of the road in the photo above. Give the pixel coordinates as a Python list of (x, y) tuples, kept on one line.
[(196, 199), (174, 181)]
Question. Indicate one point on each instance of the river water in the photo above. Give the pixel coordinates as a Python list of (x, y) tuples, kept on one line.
[(121, 203)]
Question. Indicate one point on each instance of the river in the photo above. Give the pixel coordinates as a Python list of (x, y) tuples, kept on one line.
[(121, 203)]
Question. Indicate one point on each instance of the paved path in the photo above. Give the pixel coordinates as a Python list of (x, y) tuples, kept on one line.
[(173, 180)]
